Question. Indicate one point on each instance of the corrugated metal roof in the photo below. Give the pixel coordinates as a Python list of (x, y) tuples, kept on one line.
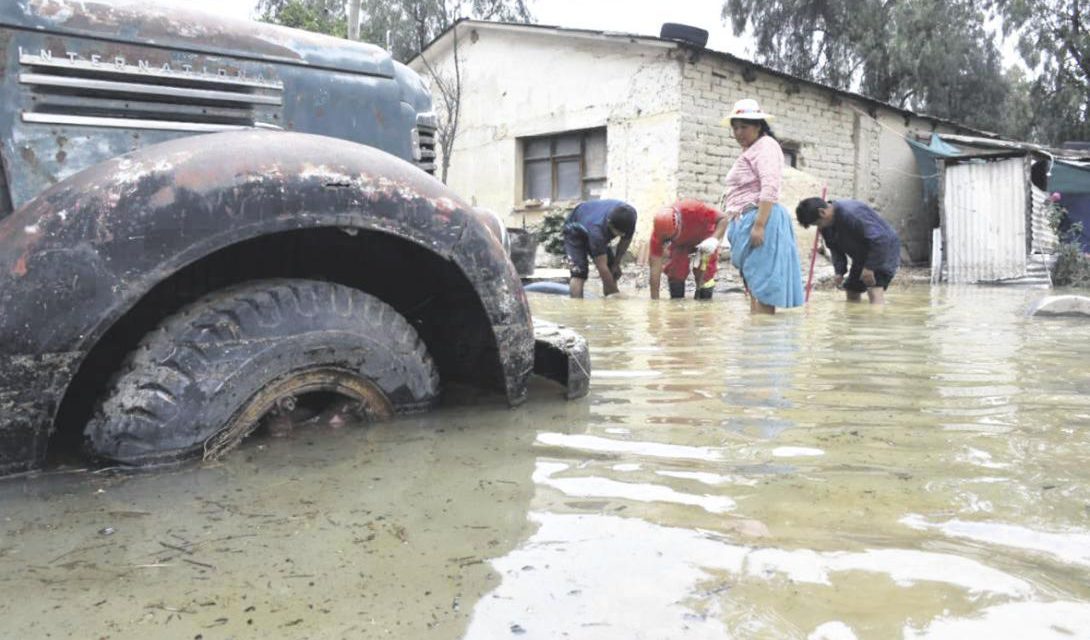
[(1011, 145)]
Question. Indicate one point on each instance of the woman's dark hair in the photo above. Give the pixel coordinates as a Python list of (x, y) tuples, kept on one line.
[(765, 129), (808, 211)]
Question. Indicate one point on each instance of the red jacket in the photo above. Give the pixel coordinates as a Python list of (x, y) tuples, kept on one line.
[(697, 225)]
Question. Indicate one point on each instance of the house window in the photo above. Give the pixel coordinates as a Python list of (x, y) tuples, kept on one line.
[(790, 154), (567, 166)]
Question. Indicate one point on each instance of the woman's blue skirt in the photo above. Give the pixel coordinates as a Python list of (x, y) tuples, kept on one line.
[(772, 271)]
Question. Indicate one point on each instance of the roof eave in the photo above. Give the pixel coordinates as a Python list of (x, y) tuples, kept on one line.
[(656, 41)]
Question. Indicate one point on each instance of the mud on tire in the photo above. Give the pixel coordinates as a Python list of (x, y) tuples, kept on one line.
[(190, 383)]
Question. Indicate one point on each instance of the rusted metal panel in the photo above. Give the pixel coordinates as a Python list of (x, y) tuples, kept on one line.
[(142, 95), (562, 355), (984, 218), (178, 27), (30, 388), (76, 258), (481, 256)]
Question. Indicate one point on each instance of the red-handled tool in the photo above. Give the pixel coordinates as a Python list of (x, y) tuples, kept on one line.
[(813, 252)]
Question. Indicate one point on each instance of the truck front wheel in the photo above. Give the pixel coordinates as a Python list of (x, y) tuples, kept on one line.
[(208, 376)]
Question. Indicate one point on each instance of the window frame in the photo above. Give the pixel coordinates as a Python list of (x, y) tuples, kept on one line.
[(555, 159), (792, 150)]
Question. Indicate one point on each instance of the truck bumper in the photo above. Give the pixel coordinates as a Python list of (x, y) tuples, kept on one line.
[(561, 354)]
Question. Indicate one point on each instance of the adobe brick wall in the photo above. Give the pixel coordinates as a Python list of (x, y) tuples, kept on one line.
[(854, 148), (834, 143)]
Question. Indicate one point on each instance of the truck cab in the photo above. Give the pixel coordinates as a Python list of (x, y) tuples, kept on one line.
[(205, 223)]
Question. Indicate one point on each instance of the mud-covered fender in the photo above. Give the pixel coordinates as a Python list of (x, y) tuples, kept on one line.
[(77, 257)]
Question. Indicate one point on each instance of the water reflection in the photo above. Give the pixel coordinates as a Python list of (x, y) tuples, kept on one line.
[(918, 470), (363, 532), (613, 577)]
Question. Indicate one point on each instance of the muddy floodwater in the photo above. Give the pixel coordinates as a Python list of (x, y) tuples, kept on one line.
[(916, 471)]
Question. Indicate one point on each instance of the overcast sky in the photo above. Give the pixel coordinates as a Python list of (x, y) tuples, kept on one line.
[(629, 16)]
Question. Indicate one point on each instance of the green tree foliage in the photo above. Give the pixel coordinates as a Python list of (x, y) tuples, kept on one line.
[(1072, 266), (933, 56), (320, 16), (1019, 108), (407, 26), (1053, 40)]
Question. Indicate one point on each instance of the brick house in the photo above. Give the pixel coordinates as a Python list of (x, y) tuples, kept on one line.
[(550, 116)]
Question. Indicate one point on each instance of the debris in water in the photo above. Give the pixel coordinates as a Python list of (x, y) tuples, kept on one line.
[(1066, 305), (279, 426), (341, 413)]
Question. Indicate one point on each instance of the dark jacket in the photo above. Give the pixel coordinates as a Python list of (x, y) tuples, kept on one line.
[(860, 233), (591, 219)]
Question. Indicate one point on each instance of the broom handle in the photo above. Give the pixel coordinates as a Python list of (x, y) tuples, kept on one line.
[(813, 253)]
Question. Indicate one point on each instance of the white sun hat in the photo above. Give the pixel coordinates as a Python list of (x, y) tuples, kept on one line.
[(747, 109)]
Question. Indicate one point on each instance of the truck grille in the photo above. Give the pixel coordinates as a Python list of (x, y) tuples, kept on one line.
[(114, 93), (425, 131)]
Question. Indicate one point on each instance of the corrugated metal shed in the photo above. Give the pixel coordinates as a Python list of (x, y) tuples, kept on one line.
[(984, 217), (1043, 238)]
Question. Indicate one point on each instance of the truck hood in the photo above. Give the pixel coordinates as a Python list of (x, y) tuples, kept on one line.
[(145, 23)]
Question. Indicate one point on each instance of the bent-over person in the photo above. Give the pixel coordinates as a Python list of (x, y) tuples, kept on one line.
[(589, 229), (686, 237), (851, 229)]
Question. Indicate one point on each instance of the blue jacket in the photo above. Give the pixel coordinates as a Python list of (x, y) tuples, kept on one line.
[(592, 219)]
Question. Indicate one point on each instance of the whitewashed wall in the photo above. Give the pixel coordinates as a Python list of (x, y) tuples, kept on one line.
[(519, 84)]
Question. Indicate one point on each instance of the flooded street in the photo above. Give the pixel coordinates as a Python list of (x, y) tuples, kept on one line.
[(920, 471)]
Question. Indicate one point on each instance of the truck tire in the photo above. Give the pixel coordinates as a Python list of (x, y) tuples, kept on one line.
[(692, 35), (206, 377)]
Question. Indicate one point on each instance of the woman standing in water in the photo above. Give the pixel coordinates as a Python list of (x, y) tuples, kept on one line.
[(762, 238)]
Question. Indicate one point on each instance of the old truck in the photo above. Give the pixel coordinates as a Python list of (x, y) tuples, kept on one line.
[(205, 222)]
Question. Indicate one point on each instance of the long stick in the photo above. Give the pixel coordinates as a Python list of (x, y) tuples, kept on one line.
[(813, 252)]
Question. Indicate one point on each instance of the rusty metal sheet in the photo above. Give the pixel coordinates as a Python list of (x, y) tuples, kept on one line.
[(30, 387), (51, 132), (562, 355), (180, 27)]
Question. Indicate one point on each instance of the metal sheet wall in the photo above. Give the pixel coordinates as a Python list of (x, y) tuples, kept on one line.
[(1044, 239), (984, 218)]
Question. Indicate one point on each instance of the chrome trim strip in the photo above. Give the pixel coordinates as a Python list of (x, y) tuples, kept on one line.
[(132, 71), (146, 89), (127, 123), (427, 119)]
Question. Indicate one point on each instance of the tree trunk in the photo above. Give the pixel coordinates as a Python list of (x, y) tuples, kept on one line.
[(353, 19)]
